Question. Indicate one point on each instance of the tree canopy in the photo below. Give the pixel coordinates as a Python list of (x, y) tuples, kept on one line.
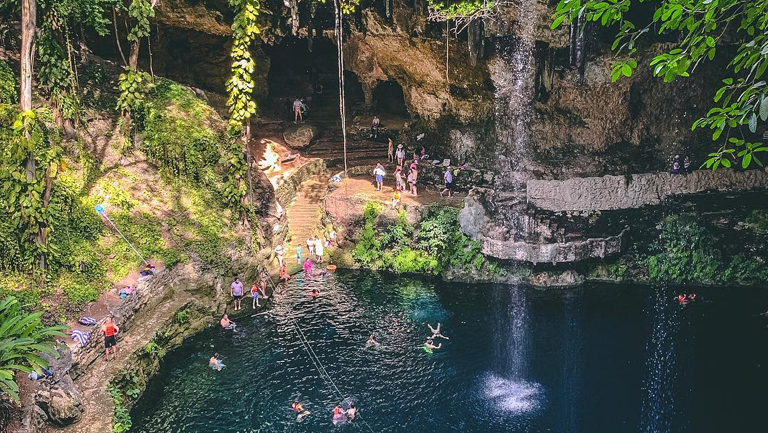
[(703, 27)]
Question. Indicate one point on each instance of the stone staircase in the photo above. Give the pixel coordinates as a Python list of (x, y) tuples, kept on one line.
[(304, 214)]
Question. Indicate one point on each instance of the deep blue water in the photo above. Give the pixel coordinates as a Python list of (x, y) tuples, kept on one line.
[(601, 358)]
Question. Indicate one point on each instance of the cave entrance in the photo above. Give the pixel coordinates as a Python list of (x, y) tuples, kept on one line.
[(388, 98), (296, 72)]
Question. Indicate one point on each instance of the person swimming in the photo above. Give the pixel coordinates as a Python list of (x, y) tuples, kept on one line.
[(372, 342), (299, 409), (430, 346), (215, 362), (351, 412), (436, 332), (226, 323), (314, 293), (338, 414)]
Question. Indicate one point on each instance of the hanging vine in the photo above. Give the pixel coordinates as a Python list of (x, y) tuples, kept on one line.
[(241, 103)]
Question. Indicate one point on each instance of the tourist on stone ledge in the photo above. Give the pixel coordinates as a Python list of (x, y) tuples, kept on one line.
[(297, 105), (237, 292), (390, 150)]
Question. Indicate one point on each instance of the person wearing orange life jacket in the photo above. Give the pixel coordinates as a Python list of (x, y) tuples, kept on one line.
[(110, 330)]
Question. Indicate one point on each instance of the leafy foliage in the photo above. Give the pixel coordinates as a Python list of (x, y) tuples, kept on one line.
[(121, 419), (9, 93), (702, 25), (437, 244), (23, 192), (368, 249), (141, 11), (684, 252), (22, 338), (240, 84), (134, 86)]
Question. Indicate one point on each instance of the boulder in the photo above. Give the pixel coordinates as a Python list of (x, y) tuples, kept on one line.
[(300, 136), (66, 404)]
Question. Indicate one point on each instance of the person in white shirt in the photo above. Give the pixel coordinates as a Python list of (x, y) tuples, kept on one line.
[(378, 174)]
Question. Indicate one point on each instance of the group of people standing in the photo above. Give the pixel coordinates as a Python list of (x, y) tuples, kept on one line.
[(411, 173), (258, 291)]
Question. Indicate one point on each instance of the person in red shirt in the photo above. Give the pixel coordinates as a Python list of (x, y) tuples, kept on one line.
[(110, 330)]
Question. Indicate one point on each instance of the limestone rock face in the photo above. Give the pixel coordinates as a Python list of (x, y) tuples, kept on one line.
[(65, 405), (301, 135)]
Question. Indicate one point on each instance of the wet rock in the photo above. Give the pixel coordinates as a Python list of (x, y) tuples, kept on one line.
[(473, 217), (555, 252), (300, 136), (567, 278)]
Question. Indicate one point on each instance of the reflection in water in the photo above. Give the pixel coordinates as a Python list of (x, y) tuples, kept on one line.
[(658, 407), (509, 388), (572, 360)]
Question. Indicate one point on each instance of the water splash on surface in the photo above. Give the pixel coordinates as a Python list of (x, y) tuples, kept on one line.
[(513, 396)]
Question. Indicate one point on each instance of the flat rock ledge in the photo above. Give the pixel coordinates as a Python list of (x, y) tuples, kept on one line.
[(567, 252), (635, 191)]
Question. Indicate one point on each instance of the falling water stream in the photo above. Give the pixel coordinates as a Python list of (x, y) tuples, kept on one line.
[(513, 75)]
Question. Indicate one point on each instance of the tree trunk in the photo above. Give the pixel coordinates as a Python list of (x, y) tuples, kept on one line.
[(28, 31)]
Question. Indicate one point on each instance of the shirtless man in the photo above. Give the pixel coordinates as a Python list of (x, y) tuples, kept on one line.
[(430, 345), (371, 341)]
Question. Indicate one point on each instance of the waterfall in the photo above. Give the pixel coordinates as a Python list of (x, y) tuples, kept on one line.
[(508, 386), (513, 74), (658, 407)]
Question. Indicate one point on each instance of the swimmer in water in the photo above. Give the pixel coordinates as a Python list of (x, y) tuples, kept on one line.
[(299, 409), (215, 362), (338, 413), (226, 323), (436, 332), (372, 342), (314, 293), (351, 412), (429, 344)]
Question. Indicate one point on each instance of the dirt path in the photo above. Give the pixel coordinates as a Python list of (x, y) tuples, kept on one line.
[(93, 385)]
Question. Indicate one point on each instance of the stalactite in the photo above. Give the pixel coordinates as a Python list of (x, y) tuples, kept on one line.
[(581, 51), (294, 17), (312, 24), (475, 41), (577, 44)]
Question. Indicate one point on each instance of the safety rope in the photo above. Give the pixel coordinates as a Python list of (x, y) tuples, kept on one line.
[(317, 363)]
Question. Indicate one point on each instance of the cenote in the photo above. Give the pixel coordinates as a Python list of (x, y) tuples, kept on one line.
[(598, 358)]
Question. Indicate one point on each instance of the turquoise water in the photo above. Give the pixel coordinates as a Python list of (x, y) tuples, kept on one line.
[(592, 359)]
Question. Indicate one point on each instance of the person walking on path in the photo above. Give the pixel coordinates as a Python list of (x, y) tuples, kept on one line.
[(400, 154), (378, 174), (110, 330), (448, 179), (279, 253), (297, 111), (237, 292), (390, 150)]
